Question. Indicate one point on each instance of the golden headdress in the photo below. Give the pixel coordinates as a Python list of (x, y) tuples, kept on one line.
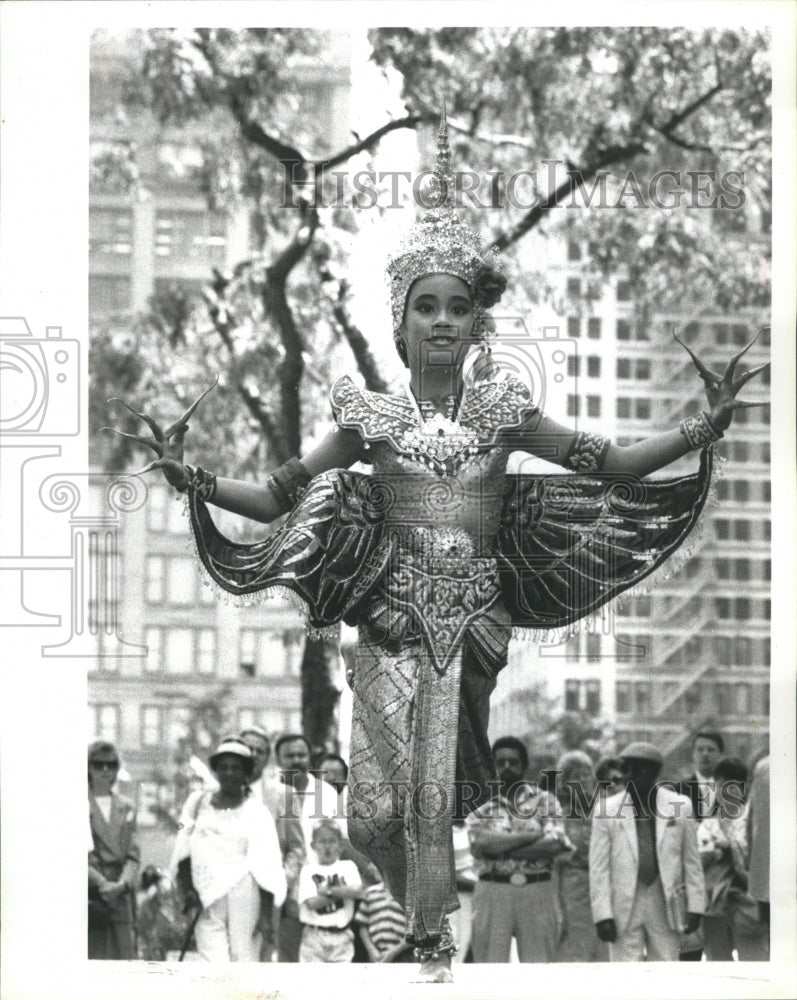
[(439, 243)]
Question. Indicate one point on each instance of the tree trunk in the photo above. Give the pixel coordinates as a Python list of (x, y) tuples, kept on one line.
[(319, 694)]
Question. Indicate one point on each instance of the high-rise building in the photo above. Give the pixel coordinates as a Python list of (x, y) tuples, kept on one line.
[(695, 650), (194, 666)]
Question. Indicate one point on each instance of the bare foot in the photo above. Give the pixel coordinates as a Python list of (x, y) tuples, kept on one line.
[(435, 970)]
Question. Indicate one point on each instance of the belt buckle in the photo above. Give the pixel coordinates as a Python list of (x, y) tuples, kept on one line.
[(518, 878)]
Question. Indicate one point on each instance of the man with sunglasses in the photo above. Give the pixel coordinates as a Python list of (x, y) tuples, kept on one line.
[(646, 878), (113, 860)]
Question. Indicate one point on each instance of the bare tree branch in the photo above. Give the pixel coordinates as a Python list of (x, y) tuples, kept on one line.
[(366, 363), (370, 141), (679, 117), (575, 179)]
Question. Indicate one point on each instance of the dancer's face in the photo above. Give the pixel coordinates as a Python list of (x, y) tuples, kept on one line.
[(438, 322)]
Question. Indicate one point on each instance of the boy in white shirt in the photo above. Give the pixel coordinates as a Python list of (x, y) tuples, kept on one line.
[(328, 888)]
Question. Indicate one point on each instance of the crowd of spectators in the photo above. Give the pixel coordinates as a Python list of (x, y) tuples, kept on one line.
[(594, 861)]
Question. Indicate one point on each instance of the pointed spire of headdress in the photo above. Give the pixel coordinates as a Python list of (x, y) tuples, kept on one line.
[(444, 175)]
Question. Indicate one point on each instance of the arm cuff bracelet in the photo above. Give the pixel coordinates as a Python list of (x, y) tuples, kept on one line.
[(587, 452), (699, 431), (203, 483), (287, 483)]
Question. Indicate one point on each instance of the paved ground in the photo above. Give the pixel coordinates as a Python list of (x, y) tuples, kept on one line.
[(197, 981)]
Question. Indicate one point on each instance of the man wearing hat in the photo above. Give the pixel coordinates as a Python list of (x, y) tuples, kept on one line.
[(113, 860), (646, 879)]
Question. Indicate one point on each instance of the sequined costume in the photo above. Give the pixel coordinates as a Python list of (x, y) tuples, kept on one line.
[(436, 557)]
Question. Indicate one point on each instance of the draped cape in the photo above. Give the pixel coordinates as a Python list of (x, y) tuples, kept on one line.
[(567, 545)]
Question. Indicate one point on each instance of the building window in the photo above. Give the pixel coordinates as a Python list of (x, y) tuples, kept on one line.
[(743, 608), (594, 327), (150, 726), (190, 236), (593, 696), (263, 652), (157, 500), (573, 405), (111, 231), (743, 650), (247, 652), (181, 588), (741, 490), (642, 370), (622, 697), (623, 329), (178, 718), (721, 332), (153, 637), (624, 368), (623, 291), (573, 250), (572, 695), (642, 696), (692, 699), (593, 406), (593, 646), (179, 650), (206, 650), (623, 408), (573, 327), (573, 365), (741, 529), (642, 409), (722, 528), (155, 571), (723, 607), (593, 366), (106, 723), (574, 288), (722, 696)]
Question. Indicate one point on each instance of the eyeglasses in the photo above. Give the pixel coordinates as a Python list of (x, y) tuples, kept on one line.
[(105, 765), (615, 779)]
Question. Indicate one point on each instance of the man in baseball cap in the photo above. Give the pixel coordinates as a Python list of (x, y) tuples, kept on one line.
[(646, 879)]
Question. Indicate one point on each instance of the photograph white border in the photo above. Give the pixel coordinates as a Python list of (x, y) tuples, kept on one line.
[(44, 51)]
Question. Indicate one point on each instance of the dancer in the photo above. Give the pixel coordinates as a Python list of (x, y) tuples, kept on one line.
[(439, 554)]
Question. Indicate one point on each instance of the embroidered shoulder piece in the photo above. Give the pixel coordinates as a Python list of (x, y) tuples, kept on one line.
[(377, 416), (490, 407)]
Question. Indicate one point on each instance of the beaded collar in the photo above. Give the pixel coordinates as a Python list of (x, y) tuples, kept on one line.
[(441, 443)]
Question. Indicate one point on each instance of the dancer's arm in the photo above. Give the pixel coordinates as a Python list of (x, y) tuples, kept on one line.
[(547, 437), (338, 450)]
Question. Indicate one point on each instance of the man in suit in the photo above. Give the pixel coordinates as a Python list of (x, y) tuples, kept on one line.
[(646, 879), (113, 860), (708, 748)]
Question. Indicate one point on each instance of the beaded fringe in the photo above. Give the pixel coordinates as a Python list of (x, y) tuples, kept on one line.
[(261, 597), (591, 623)]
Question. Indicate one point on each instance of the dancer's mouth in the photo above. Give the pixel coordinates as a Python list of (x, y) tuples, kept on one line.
[(443, 339)]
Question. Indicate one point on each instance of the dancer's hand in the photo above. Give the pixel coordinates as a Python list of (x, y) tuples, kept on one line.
[(167, 444), (721, 389)]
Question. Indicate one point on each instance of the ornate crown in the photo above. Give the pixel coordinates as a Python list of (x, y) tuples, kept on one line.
[(440, 242)]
